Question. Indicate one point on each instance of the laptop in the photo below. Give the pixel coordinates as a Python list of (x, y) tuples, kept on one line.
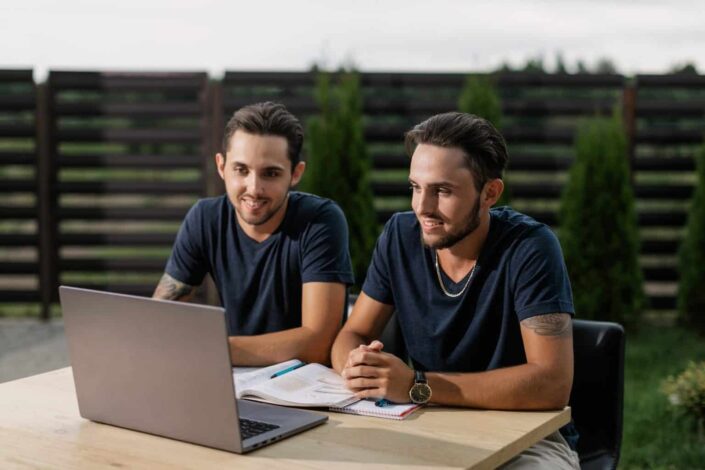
[(163, 368)]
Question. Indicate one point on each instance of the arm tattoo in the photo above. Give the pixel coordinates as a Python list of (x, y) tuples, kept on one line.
[(553, 324), (171, 289)]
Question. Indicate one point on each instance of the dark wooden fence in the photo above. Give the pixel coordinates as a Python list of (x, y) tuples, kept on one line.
[(122, 157)]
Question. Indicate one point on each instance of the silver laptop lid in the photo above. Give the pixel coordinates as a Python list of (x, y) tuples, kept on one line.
[(160, 367)]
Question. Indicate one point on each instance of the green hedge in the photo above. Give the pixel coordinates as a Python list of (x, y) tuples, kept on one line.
[(598, 226)]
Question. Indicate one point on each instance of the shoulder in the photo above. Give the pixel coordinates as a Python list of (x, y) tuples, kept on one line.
[(309, 214), (206, 210), (514, 228)]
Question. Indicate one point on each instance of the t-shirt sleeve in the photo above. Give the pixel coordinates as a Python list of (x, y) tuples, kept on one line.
[(326, 253), (541, 283), (377, 281), (188, 262)]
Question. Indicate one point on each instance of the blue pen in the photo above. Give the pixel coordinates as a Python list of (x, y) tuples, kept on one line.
[(288, 369), (382, 403)]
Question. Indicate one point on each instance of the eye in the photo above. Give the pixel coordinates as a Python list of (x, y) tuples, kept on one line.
[(271, 174), (241, 170), (443, 191), (415, 188)]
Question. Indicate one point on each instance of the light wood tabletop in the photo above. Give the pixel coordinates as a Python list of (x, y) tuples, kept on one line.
[(40, 427)]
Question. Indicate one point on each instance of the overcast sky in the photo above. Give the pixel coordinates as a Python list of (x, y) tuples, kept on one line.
[(394, 35)]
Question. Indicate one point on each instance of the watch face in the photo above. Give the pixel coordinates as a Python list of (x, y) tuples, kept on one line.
[(420, 393)]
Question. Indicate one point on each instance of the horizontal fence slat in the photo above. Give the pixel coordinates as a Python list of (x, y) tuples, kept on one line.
[(135, 187), (19, 267), (17, 186), (19, 296), (662, 302), (131, 161), (9, 212), (663, 191), (19, 102), (670, 81), (121, 264), (117, 239), (660, 274), (17, 75), (125, 81), (664, 164), (660, 247), (19, 239), (8, 157), (128, 109), (663, 107), (143, 136), (123, 213), (12, 129), (670, 136)]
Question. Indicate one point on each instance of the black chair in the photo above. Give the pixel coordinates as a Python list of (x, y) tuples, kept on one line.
[(597, 398)]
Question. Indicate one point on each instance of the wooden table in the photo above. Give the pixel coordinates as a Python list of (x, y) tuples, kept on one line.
[(40, 427)]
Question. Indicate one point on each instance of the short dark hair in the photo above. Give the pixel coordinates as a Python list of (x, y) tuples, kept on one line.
[(267, 118), (484, 147)]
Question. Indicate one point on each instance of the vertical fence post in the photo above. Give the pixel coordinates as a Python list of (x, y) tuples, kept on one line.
[(629, 119), (46, 200)]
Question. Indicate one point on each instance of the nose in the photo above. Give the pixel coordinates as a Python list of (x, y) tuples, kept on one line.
[(424, 202), (254, 184)]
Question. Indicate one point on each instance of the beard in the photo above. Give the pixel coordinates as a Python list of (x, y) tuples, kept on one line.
[(262, 218), (450, 239)]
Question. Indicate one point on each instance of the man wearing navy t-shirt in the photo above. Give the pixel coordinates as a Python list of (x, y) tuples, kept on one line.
[(279, 259), (482, 296)]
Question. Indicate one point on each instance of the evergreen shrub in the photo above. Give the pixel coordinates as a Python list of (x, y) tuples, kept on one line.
[(598, 226), (481, 98), (691, 289), (338, 164)]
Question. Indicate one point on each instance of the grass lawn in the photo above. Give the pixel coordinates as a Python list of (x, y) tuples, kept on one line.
[(654, 436)]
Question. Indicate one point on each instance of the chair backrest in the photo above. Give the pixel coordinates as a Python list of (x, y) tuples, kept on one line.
[(597, 398)]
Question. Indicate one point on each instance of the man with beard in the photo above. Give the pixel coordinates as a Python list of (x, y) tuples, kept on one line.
[(481, 296), (279, 259)]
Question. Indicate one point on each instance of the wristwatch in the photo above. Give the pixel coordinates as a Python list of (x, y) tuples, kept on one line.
[(420, 392)]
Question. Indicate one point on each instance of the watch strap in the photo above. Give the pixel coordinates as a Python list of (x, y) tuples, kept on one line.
[(419, 377)]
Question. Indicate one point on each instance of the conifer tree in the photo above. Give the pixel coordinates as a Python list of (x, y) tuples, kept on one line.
[(691, 288), (481, 98), (338, 164), (598, 226)]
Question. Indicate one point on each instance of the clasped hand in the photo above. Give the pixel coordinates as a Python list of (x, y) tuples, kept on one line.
[(372, 373)]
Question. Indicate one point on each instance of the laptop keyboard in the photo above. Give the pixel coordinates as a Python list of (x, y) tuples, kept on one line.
[(250, 428)]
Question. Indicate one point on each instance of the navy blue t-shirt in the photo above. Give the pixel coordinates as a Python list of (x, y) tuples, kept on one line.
[(259, 284), (520, 273)]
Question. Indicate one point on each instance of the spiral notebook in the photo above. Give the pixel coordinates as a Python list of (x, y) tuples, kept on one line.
[(368, 408)]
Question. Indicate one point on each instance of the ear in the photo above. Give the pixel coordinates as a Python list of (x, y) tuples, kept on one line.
[(220, 164), (297, 173), (493, 191)]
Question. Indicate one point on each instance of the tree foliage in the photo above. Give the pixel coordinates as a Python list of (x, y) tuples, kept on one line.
[(481, 98), (338, 164), (691, 289), (598, 226)]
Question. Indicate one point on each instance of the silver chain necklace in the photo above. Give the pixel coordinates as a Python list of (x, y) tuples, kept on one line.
[(440, 280)]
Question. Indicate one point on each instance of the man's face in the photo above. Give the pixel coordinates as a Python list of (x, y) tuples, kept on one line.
[(444, 197), (257, 175)]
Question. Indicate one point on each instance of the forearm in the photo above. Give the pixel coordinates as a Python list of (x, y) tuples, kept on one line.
[(297, 343), (523, 387), (346, 341)]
